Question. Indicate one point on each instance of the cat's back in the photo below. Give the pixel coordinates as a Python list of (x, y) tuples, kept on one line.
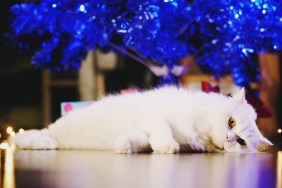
[(171, 94), (157, 95), (162, 94)]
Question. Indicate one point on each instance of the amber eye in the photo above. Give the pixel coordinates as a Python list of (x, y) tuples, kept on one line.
[(231, 122)]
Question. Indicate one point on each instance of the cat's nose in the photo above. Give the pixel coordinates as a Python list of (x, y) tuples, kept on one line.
[(228, 139)]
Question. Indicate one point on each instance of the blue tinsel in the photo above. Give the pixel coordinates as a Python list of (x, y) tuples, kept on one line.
[(222, 34)]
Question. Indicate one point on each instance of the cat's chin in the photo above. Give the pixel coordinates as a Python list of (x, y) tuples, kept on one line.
[(230, 147)]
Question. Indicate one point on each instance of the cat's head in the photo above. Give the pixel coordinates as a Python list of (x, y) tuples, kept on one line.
[(235, 130)]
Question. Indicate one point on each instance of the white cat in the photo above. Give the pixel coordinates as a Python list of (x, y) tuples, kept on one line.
[(164, 120)]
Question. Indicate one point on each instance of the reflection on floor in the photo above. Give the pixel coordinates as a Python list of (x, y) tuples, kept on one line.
[(63, 168)]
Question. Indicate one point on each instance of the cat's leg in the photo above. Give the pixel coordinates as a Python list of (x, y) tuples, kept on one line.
[(161, 138), (132, 142), (35, 139)]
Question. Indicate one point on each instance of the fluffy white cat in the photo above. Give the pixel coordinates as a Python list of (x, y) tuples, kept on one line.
[(164, 120)]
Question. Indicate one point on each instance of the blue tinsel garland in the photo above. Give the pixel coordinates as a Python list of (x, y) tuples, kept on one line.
[(221, 34)]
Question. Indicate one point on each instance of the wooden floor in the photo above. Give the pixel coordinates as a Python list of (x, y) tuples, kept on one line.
[(100, 169)]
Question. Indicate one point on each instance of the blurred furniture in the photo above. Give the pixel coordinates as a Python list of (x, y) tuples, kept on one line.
[(269, 86), (52, 80), (89, 81)]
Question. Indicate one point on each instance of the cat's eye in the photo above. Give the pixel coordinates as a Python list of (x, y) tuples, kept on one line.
[(241, 141), (231, 122)]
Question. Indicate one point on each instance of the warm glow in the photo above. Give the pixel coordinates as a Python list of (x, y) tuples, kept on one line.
[(9, 130), (4, 145), (278, 170), (9, 175), (12, 133), (279, 130)]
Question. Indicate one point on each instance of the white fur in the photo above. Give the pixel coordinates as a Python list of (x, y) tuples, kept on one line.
[(165, 120)]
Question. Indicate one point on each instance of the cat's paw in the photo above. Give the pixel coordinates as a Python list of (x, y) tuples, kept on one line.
[(122, 145), (131, 142), (35, 142), (161, 145)]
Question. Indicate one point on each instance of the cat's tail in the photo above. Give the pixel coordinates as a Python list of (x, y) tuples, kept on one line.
[(34, 139)]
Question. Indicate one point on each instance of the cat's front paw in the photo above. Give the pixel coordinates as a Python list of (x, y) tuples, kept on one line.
[(162, 145), (40, 143), (122, 146)]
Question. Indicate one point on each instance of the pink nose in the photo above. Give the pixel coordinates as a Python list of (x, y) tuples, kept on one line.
[(228, 138)]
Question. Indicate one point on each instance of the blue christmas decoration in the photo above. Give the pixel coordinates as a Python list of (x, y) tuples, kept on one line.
[(234, 31), (222, 35)]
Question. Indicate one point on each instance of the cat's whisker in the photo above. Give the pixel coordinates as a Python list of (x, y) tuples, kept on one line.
[(261, 108)]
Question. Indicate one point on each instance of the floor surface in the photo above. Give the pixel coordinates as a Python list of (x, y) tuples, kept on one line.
[(101, 169)]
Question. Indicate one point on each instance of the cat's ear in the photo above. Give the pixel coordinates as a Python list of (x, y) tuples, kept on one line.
[(240, 96), (263, 144)]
